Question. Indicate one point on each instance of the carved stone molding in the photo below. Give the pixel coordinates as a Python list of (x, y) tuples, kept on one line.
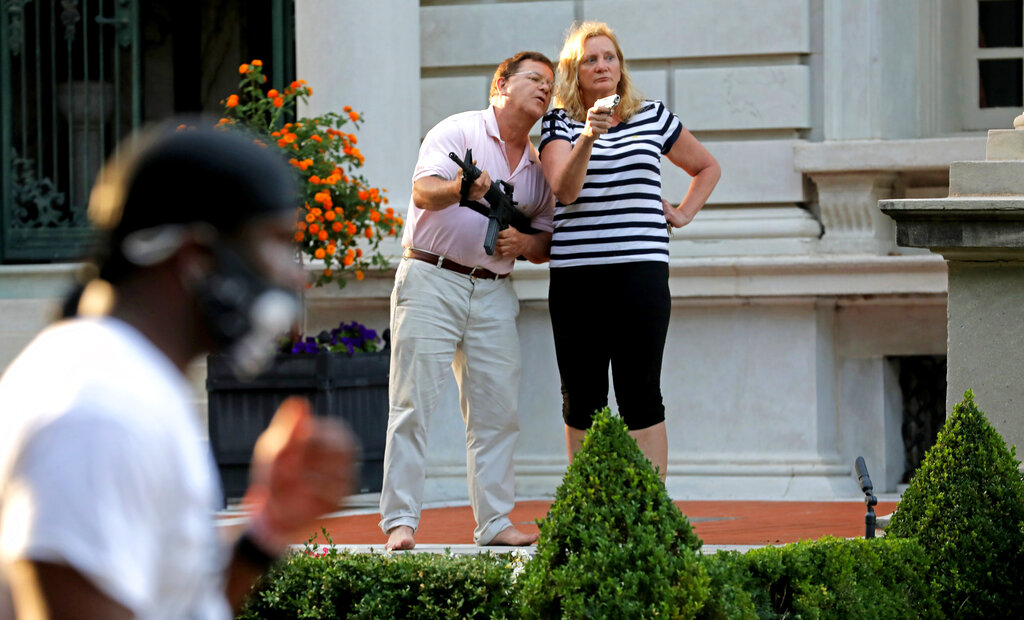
[(850, 216)]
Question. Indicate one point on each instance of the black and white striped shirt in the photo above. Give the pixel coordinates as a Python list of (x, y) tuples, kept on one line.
[(618, 216)]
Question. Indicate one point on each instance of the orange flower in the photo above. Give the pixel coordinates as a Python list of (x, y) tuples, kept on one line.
[(310, 218), (348, 108), (328, 273), (348, 260), (314, 228), (359, 274), (299, 236), (354, 116), (295, 85), (224, 121), (316, 137), (315, 180), (272, 93), (232, 101), (329, 216), (351, 228), (278, 102), (322, 235), (368, 232), (309, 90), (359, 253), (257, 62), (350, 252), (364, 195), (374, 216), (319, 253), (243, 69), (331, 249), (336, 227)]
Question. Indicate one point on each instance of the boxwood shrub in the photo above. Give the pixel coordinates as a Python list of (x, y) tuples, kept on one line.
[(965, 505), (827, 578), (613, 545), (421, 586)]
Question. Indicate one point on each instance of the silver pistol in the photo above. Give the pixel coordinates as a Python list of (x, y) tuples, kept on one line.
[(607, 102)]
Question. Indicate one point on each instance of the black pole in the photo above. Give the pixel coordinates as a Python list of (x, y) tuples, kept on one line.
[(869, 497)]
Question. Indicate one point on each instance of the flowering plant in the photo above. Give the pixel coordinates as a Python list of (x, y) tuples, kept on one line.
[(338, 209), (350, 338)]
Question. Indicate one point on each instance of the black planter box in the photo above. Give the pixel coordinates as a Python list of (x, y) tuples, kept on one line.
[(353, 389)]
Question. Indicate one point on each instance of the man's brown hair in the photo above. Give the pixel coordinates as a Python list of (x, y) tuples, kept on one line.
[(511, 65)]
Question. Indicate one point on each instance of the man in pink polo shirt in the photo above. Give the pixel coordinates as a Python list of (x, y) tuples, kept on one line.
[(454, 307)]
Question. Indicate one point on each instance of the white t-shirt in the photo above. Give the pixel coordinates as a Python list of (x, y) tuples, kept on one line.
[(102, 469)]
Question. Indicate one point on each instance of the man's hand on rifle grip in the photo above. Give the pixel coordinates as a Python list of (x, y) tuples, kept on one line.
[(478, 188)]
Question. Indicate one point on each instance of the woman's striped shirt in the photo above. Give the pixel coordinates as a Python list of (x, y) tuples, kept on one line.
[(618, 216)]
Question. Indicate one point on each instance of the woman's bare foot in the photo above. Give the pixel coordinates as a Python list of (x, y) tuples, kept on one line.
[(511, 537), (400, 538)]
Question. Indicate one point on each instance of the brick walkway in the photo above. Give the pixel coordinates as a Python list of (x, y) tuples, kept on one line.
[(716, 522)]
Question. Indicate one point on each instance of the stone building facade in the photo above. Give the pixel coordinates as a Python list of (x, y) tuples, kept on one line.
[(794, 312)]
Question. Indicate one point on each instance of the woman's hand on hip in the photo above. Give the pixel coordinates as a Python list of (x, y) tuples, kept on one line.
[(674, 215)]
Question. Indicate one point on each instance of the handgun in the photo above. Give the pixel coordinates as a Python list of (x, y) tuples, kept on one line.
[(607, 102)]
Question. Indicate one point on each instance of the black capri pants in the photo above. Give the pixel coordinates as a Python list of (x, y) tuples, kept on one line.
[(615, 314)]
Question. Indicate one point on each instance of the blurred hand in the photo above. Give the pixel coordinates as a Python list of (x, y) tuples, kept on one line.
[(302, 468)]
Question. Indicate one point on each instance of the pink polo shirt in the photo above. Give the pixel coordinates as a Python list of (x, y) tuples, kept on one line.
[(458, 232)]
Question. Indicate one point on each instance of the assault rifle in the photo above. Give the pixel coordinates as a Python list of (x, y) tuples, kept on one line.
[(501, 213)]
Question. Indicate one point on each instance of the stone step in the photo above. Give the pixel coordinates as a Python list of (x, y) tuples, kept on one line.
[(986, 178)]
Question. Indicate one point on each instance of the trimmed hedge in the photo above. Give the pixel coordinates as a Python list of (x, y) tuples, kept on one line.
[(827, 578), (613, 545), (420, 586), (965, 505)]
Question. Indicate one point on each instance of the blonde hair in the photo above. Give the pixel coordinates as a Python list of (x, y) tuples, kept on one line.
[(567, 84)]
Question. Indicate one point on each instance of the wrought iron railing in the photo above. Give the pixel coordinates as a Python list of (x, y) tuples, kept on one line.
[(69, 91)]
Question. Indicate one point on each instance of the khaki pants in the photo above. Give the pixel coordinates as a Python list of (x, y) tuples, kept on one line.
[(440, 320)]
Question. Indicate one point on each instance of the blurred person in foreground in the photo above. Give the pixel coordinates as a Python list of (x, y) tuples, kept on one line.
[(106, 492)]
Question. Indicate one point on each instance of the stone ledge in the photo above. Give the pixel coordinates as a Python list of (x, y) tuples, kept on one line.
[(967, 228), (890, 155)]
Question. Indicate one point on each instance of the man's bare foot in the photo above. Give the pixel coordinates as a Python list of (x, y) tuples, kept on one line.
[(511, 537), (400, 539)]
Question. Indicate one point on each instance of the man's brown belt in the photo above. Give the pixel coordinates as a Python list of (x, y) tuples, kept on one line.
[(450, 265)]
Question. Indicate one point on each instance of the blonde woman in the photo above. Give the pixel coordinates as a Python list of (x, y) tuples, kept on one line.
[(609, 296)]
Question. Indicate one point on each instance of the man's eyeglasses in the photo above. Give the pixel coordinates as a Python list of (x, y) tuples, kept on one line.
[(537, 78)]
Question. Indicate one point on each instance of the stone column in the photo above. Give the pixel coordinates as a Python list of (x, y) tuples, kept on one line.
[(979, 230), (367, 55)]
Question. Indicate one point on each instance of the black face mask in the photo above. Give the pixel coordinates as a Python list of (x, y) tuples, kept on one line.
[(243, 311)]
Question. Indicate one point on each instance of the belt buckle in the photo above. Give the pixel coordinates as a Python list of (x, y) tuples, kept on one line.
[(472, 272), (440, 261)]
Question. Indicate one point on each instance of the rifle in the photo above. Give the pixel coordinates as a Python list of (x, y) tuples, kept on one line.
[(501, 213)]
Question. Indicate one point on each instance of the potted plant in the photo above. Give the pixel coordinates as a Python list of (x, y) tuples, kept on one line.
[(344, 371), (344, 374)]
